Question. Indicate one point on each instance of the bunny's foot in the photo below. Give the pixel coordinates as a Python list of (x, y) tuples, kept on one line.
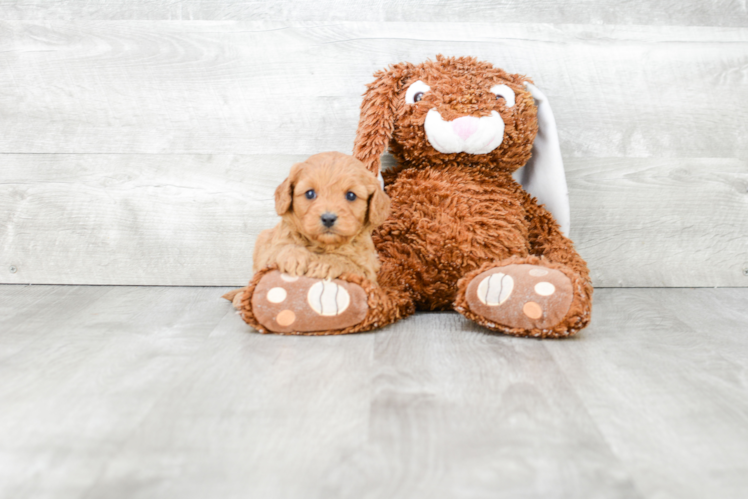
[(527, 297), (274, 302)]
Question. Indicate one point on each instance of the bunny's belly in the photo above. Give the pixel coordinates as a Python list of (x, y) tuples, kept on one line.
[(443, 224)]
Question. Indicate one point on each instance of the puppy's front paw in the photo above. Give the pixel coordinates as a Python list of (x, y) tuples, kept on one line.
[(293, 261), (320, 270)]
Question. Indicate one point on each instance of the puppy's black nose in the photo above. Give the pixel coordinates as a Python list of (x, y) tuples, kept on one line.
[(328, 219)]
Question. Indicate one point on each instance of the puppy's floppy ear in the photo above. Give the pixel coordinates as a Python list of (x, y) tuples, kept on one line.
[(379, 206), (284, 192), (378, 115)]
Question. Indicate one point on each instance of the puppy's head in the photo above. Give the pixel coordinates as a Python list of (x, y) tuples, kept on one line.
[(452, 110), (331, 198)]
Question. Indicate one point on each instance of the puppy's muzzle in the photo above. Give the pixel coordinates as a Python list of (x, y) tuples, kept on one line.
[(328, 219)]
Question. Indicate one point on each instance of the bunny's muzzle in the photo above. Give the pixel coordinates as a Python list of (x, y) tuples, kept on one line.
[(466, 134)]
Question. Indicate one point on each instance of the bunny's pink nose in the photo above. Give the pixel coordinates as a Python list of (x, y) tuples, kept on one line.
[(465, 126)]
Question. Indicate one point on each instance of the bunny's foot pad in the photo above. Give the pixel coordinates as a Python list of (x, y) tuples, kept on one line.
[(521, 296), (296, 304)]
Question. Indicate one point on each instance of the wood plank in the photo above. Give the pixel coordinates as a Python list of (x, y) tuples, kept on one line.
[(104, 361), (283, 88), (146, 374), (663, 373), (229, 433), (461, 413), (661, 222), (193, 219), (165, 392), (690, 12), (135, 219), (16, 302), (34, 309)]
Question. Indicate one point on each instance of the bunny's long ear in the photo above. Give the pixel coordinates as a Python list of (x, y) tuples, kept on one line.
[(543, 176), (378, 115)]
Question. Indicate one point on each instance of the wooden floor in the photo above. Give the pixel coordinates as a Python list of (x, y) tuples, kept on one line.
[(161, 391)]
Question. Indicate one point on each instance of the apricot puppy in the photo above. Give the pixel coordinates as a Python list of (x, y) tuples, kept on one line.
[(329, 205)]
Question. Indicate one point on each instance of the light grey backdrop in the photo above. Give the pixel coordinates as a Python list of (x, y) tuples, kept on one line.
[(140, 142)]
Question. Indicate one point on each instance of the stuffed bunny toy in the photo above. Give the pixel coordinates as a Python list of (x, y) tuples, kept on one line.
[(463, 234)]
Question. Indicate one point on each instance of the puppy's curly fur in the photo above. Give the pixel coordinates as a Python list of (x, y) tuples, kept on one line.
[(331, 186)]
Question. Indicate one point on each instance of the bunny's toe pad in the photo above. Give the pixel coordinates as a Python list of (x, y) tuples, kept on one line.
[(521, 296), (291, 304)]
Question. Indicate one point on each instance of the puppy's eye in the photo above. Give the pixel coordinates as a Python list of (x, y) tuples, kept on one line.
[(504, 92), (310, 195), (350, 196), (416, 92)]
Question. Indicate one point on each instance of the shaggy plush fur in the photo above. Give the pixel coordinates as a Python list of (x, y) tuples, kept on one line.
[(455, 215)]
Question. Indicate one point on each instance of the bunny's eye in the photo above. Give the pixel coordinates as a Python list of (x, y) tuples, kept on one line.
[(350, 196), (504, 92), (416, 92), (310, 195)]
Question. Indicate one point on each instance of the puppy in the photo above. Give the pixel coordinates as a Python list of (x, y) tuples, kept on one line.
[(329, 205)]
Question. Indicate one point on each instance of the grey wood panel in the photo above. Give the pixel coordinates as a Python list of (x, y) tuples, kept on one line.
[(15, 302), (666, 379), (163, 371), (135, 219), (164, 392), (193, 219), (458, 412), (691, 12), (283, 88), (661, 222)]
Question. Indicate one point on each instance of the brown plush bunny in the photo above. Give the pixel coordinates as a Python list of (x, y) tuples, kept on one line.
[(462, 234)]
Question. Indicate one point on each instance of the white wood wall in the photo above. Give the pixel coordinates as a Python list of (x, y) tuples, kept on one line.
[(140, 142)]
